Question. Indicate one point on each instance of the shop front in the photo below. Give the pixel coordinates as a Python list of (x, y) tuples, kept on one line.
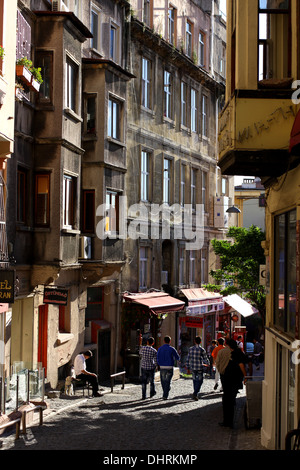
[(202, 315), (144, 315)]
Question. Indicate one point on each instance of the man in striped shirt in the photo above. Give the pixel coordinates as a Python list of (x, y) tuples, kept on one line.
[(148, 366), (197, 361)]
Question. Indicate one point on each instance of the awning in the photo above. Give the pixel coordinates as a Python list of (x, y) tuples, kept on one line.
[(201, 301), (240, 305), (156, 302)]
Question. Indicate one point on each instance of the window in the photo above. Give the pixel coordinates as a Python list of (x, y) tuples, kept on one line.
[(71, 84), (189, 39), (204, 189), (113, 122), (143, 268), (42, 200), (112, 212), (223, 62), (204, 116), (22, 191), (167, 95), (88, 211), (181, 266), (44, 60), (201, 49), (285, 263), (183, 104), (274, 42), (167, 181), (146, 83), (224, 186), (64, 320), (68, 201), (114, 37), (172, 18), (145, 176), (95, 27), (204, 273), (192, 267), (90, 114), (194, 110), (95, 304), (147, 12), (182, 185), (193, 188)]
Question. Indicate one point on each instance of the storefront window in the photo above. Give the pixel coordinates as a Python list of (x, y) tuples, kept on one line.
[(285, 272)]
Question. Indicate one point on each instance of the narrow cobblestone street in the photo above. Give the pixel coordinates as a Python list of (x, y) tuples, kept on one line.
[(122, 421)]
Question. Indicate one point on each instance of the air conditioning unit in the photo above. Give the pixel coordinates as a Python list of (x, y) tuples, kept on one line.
[(85, 248), (220, 215), (59, 5), (164, 277)]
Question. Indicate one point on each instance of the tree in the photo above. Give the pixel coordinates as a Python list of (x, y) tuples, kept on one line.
[(240, 257)]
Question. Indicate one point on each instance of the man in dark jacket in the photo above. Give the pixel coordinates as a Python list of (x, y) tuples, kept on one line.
[(166, 357)]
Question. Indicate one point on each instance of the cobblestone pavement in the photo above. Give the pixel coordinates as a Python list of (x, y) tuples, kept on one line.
[(122, 421)]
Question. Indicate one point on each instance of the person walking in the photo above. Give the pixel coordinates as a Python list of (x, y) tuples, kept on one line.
[(220, 346), (82, 374), (197, 362), (257, 352), (148, 366), (166, 357), (231, 364)]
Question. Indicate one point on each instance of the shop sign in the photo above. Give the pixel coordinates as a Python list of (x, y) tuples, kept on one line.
[(55, 296), (7, 287), (192, 322), (196, 310)]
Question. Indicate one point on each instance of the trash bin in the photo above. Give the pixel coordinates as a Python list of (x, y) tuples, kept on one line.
[(132, 365), (253, 407)]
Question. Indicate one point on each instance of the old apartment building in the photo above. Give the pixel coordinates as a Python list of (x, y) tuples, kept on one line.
[(126, 114)]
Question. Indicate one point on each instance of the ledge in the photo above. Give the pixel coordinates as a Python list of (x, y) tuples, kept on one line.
[(64, 337)]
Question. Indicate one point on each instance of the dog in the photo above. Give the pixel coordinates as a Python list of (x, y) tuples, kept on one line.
[(69, 388)]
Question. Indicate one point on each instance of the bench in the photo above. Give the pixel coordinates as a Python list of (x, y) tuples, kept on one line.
[(12, 419), (30, 408), (112, 380), (292, 439)]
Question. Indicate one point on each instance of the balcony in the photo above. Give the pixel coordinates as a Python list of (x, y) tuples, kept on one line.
[(254, 133)]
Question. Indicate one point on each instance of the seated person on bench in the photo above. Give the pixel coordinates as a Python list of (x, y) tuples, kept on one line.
[(82, 374)]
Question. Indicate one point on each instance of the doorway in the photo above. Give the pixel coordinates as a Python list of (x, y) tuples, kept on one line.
[(43, 336), (104, 343)]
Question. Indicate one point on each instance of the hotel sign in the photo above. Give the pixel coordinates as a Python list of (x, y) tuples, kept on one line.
[(55, 296), (7, 287)]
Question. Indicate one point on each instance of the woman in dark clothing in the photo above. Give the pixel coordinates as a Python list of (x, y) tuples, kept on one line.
[(232, 381)]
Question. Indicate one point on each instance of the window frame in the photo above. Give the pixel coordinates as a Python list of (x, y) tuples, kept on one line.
[(146, 85), (144, 280), (112, 223), (194, 110), (168, 95), (71, 84), (172, 25), (201, 46), (115, 118), (69, 196), (145, 191), (189, 27), (167, 181), (96, 42), (46, 175), (183, 103)]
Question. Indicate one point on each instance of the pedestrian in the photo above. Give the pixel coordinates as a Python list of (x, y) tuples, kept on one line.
[(240, 342), (257, 352), (213, 346), (166, 357), (231, 364), (197, 362), (82, 374), (148, 367), (220, 346)]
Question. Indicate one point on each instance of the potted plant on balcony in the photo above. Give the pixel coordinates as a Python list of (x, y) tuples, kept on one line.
[(36, 78), (23, 67), (29, 74)]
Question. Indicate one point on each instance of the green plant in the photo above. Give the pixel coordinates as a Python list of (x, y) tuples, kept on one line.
[(36, 71), (1, 52)]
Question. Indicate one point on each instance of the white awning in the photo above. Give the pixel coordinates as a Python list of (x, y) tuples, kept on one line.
[(240, 305)]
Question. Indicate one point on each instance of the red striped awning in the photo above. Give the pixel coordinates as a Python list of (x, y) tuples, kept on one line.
[(156, 302)]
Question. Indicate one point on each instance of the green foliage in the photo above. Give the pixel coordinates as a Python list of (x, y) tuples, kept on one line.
[(240, 256), (36, 71)]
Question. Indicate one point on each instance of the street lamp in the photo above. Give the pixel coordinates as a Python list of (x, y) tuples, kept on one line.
[(233, 210)]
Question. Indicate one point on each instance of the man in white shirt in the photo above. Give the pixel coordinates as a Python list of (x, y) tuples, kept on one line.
[(82, 374)]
